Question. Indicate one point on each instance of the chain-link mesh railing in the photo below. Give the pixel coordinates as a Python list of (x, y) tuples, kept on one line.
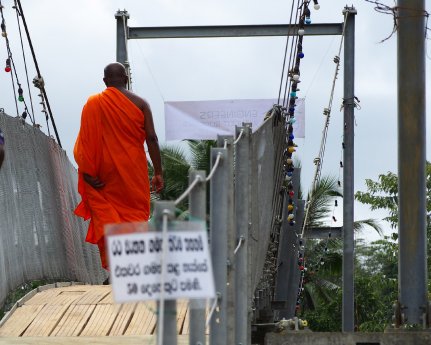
[(268, 143), (40, 237)]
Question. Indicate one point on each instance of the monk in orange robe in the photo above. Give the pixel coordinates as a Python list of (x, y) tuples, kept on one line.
[(112, 164)]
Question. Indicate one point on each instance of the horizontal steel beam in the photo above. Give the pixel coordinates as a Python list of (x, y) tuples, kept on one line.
[(233, 31), (323, 232)]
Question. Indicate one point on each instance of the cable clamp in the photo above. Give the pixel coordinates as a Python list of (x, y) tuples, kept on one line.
[(352, 101), (39, 82)]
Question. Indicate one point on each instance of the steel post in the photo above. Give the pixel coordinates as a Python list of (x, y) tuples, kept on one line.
[(170, 308), (197, 207), (220, 203), (348, 320), (227, 142), (122, 37), (412, 283), (242, 214), (122, 17)]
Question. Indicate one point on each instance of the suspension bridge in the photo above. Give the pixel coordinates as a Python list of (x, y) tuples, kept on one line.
[(258, 222)]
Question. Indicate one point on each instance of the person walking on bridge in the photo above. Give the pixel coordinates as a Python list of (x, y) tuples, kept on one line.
[(112, 166)]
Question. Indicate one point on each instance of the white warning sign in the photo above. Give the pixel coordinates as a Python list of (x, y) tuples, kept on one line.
[(136, 266)]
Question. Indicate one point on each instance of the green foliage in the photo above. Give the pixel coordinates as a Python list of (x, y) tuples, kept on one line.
[(322, 200), (15, 295), (376, 267), (325, 317), (374, 296), (380, 256), (375, 288), (175, 174), (322, 297), (375, 284), (201, 153), (176, 168), (359, 225), (383, 194), (377, 270)]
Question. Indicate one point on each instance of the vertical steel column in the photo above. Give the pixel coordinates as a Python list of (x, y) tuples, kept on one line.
[(170, 314), (348, 323), (197, 207), (122, 16), (122, 37), (412, 283), (227, 142), (242, 220), (221, 202)]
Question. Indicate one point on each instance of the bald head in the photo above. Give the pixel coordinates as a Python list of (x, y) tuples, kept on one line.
[(115, 75)]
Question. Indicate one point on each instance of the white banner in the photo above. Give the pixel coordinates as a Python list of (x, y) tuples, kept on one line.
[(136, 267), (204, 120)]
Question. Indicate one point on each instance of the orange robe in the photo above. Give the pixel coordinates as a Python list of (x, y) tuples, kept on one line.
[(110, 145)]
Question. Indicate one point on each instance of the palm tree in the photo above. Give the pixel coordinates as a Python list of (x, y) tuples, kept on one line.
[(176, 168), (201, 153), (324, 257)]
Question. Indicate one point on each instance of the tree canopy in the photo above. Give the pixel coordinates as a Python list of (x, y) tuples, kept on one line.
[(376, 267)]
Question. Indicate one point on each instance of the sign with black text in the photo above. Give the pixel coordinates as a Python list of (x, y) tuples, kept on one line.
[(136, 266)]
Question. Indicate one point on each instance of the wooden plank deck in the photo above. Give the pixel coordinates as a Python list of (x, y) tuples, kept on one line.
[(23, 317), (86, 312), (121, 340)]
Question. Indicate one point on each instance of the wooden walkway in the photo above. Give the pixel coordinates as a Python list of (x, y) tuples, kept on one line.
[(84, 312)]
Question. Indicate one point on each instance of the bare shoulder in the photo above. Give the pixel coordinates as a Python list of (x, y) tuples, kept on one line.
[(138, 101)]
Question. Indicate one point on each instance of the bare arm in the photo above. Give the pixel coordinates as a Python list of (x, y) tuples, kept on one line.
[(157, 182)]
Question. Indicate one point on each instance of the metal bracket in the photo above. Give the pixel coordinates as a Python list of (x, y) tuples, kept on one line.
[(350, 10), (162, 208), (400, 319)]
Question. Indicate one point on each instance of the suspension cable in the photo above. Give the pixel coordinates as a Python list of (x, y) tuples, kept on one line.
[(294, 64), (285, 52), (10, 63), (188, 190), (39, 76), (241, 241), (239, 137), (18, 14), (293, 52), (14, 94), (327, 112), (212, 310), (288, 84), (9, 59), (215, 166)]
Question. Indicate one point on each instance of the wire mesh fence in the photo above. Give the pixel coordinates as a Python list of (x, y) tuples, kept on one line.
[(40, 238), (268, 145)]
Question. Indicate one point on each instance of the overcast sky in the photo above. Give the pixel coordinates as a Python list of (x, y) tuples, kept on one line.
[(74, 40)]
